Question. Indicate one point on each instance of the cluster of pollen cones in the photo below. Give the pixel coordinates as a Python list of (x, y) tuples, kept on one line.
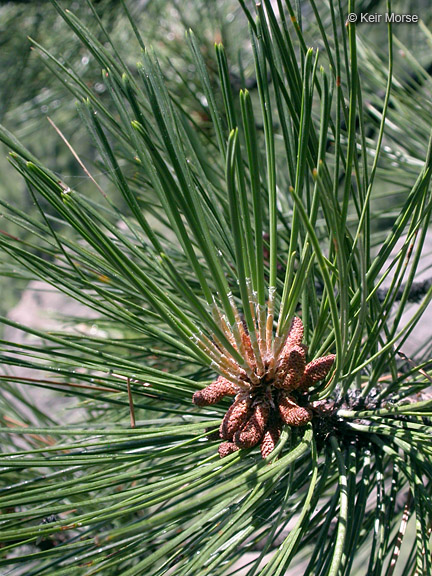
[(267, 399)]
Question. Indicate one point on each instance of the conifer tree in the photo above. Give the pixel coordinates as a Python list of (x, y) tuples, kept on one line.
[(245, 399)]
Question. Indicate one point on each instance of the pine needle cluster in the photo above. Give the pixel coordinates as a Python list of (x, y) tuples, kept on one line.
[(278, 204)]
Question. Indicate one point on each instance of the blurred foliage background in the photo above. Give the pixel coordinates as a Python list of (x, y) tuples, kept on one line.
[(30, 91)]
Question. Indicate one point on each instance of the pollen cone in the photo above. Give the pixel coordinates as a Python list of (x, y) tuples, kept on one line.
[(214, 392)]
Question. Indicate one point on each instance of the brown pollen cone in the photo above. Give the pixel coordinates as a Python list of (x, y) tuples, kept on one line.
[(291, 413), (316, 370), (227, 448), (270, 439), (295, 334), (214, 392), (235, 417), (253, 430), (270, 382), (293, 368)]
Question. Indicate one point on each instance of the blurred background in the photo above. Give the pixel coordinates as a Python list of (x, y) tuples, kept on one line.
[(31, 91)]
